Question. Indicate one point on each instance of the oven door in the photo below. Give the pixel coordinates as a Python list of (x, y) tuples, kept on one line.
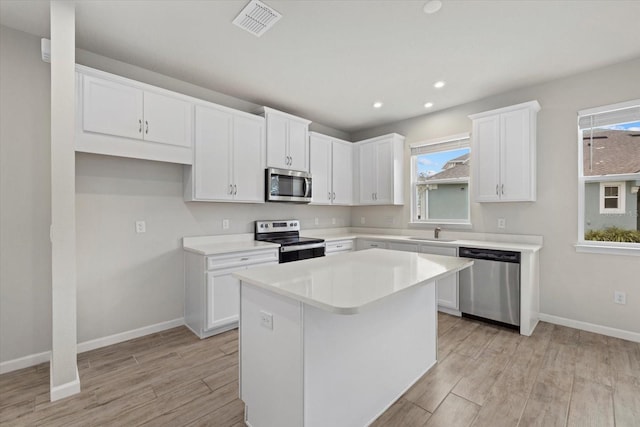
[(300, 252), (288, 186)]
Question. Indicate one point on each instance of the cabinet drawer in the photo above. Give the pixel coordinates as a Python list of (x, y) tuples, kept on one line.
[(369, 244), (241, 258), (339, 246), (438, 250)]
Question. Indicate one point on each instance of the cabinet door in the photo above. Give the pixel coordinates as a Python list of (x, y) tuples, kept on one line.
[(448, 286), (277, 145), (213, 154), (515, 159), (384, 175), (342, 173), (486, 159), (320, 162), (223, 298), (367, 173), (299, 146), (248, 159), (167, 120), (112, 108)]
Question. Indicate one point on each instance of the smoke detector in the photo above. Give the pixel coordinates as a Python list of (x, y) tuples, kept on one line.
[(256, 18)]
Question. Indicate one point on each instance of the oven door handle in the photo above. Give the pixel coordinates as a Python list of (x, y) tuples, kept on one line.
[(301, 247)]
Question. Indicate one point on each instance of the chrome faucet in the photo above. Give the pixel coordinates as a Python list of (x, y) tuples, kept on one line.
[(436, 232)]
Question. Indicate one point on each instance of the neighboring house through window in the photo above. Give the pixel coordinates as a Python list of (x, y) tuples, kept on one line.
[(609, 176), (440, 181)]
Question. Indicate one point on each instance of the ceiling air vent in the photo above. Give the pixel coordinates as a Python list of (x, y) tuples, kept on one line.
[(257, 18)]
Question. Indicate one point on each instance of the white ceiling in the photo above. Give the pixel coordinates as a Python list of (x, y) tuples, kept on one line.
[(329, 61)]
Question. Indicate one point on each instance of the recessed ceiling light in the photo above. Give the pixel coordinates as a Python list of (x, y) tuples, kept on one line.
[(432, 6), (439, 84), (377, 104), (428, 105)]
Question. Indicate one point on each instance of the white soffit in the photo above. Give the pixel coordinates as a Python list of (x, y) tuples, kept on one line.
[(257, 18)]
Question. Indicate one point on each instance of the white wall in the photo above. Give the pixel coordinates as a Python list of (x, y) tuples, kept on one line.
[(573, 285), (25, 197), (124, 280)]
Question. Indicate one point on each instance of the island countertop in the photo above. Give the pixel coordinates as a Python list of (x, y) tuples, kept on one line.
[(352, 281)]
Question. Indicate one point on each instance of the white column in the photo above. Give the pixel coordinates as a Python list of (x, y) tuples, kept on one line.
[(64, 370)]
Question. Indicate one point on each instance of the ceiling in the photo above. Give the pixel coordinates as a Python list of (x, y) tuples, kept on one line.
[(328, 61)]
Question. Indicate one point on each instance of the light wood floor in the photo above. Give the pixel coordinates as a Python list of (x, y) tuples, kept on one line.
[(486, 376)]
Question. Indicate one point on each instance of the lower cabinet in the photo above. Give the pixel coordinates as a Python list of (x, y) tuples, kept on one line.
[(339, 247), (447, 287), (212, 294)]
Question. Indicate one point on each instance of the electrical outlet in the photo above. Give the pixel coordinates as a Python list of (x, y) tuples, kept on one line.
[(266, 319), (619, 297), (317, 221), (502, 223), (362, 220), (141, 227), (333, 221), (225, 224)]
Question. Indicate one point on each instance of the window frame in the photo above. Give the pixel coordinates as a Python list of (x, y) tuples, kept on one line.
[(450, 223), (592, 246), (622, 203)]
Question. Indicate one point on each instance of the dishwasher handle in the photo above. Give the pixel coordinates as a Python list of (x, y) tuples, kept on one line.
[(489, 255)]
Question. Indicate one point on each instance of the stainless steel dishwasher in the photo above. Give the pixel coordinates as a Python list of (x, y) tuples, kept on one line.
[(490, 289)]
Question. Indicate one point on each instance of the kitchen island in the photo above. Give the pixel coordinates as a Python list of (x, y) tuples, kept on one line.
[(335, 341)]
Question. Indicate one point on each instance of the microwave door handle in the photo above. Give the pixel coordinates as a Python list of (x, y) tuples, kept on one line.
[(307, 188)]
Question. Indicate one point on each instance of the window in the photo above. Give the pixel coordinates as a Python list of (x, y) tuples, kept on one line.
[(609, 178), (440, 181), (612, 200)]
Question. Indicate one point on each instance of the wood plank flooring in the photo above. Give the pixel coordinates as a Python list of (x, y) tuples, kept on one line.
[(486, 376)]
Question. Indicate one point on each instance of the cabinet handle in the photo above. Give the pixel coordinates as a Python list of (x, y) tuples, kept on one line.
[(139, 125), (230, 188), (329, 195), (235, 189), (244, 259), (334, 196), (338, 246), (497, 190), (503, 189), (374, 246), (146, 130)]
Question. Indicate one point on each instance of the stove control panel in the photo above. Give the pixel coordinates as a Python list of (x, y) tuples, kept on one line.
[(277, 226)]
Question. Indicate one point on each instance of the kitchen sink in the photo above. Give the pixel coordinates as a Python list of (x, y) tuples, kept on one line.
[(431, 239)]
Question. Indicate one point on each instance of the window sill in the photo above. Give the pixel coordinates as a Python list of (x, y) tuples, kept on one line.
[(447, 225), (609, 248)]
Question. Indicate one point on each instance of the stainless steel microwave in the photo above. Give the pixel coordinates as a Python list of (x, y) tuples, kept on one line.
[(284, 185)]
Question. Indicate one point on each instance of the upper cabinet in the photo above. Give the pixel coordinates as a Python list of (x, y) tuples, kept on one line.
[(331, 163), (503, 150), (287, 140), (121, 117), (229, 157), (380, 170)]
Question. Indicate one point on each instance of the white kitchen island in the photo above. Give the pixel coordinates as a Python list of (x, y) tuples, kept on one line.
[(334, 341)]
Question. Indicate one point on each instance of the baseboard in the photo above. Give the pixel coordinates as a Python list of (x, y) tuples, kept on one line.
[(65, 390), (129, 335), (591, 327), (36, 359), (25, 362)]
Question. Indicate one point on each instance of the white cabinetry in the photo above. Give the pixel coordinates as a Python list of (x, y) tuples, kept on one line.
[(380, 170), (369, 244), (331, 165), (229, 157), (287, 140), (121, 117), (212, 298), (404, 247), (447, 287), (503, 150), (339, 247)]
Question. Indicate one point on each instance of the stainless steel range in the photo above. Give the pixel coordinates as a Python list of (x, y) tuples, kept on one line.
[(286, 233)]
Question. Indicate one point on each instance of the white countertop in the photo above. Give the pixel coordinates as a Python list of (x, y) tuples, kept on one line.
[(505, 246), (228, 247), (348, 283)]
